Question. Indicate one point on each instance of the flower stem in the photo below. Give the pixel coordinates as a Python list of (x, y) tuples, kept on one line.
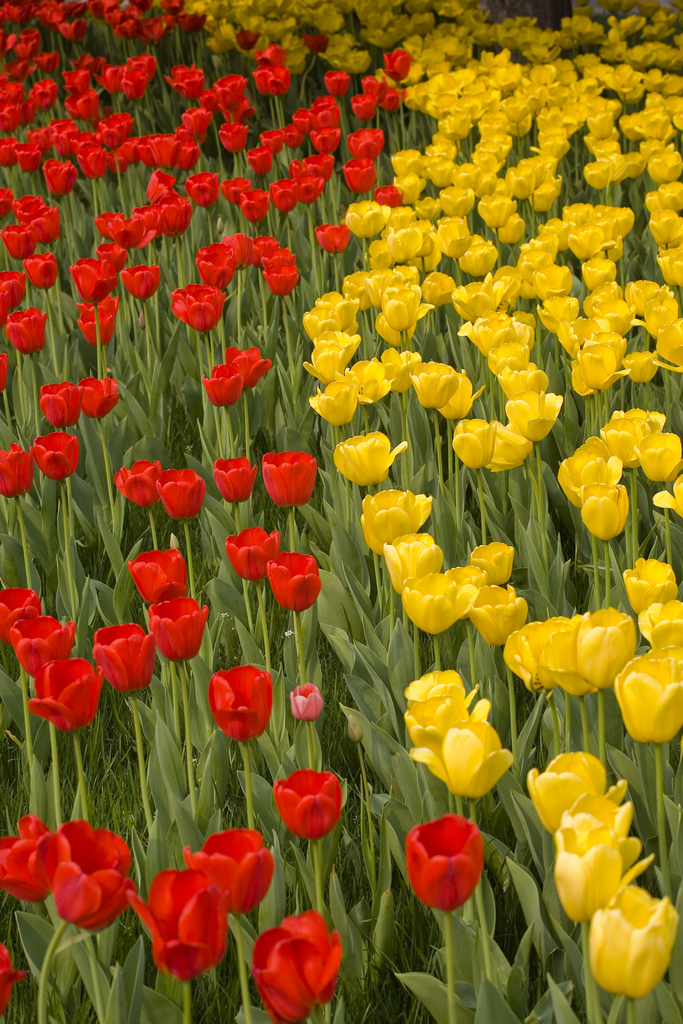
[(368, 810), (36, 403), (601, 726), (596, 572), (188, 739), (608, 574), (108, 468), (242, 966), (556, 724), (45, 971), (317, 847), (24, 542), (176, 707), (513, 713), (188, 547), (481, 913), (246, 760), (187, 1002), (27, 719), (450, 973), (264, 623), (141, 762), (661, 821), (300, 648), (153, 529), (55, 775), (437, 442), (482, 508), (81, 776), (634, 513), (416, 652), (584, 724), (292, 528), (592, 999), (470, 645)]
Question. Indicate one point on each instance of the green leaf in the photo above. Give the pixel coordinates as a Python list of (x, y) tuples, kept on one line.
[(432, 994), (123, 591), (156, 1008), (492, 1007), (561, 1008)]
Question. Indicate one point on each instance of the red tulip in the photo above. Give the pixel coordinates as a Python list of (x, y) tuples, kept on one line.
[(285, 195), (250, 551), (142, 281), (47, 226), (375, 87), (181, 492), (232, 189), (216, 265), (292, 136), (92, 160), (360, 174), (310, 187), (47, 62), (126, 655), (241, 700), (8, 977), (42, 269), (242, 249), (176, 214), (40, 640), (289, 477), (187, 82), (237, 863), (22, 871), (139, 483), (60, 176), (17, 603), (363, 106), (99, 396), (20, 240), (196, 121), (159, 575), (56, 455), (8, 152), (397, 64), (199, 306), (249, 363), (263, 245), (333, 238), (186, 915), (234, 478), (67, 693), (306, 703), (29, 156), (366, 143), (6, 200), (247, 40), (309, 802), (224, 387), (388, 195), (202, 188), (114, 131), (281, 280), (294, 580), (272, 80), (296, 966), (61, 403), (301, 119), (87, 870), (178, 627), (234, 136), (95, 279), (84, 107), (273, 139), (325, 113), (110, 78), (444, 860), (133, 83), (44, 94), (160, 186), (13, 284), (25, 330), (16, 471), (26, 208), (337, 82), (326, 140), (114, 254), (254, 204)]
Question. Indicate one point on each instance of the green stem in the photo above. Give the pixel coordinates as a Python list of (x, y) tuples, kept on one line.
[(541, 503), (482, 509), (94, 972), (608, 574), (596, 572), (141, 762), (601, 726), (264, 623), (310, 745), (450, 973), (298, 634), (513, 713), (188, 548), (634, 514), (83, 790), (27, 719), (556, 724), (630, 1011), (108, 468), (242, 967), (667, 528), (176, 706), (53, 347), (56, 790), (481, 913), (292, 528), (67, 555), (24, 542), (437, 652), (45, 970), (153, 529), (368, 811), (317, 849), (246, 421), (36, 403), (661, 821), (188, 739), (437, 441), (592, 998), (584, 724), (187, 1002), (470, 645), (246, 760), (416, 652)]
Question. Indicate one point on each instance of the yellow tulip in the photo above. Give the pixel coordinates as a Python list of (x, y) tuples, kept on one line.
[(662, 624), (557, 662), (366, 459), (553, 282), (390, 514), (513, 230), (533, 415), (604, 509), (337, 404), (473, 442), (331, 354), (605, 642), (665, 167), (480, 258), (453, 236), (595, 858), (402, 308), (496, 210), (649, 582), (366, 219), (437, 289), (435, 384), (375, 284), (641, 366), (437, 684), (369, 378), (460, 403), (407, 161), (566, 778), (598, 271), (471, 759), (497, 612), (481, 298), (639, 293), (404, 243), (660, 456), (671, 265), (524, 647), (664, 499), (513, 382), (414, 554), (353, 287), (510, 449), (631, 941), (650, 695), (428, 721), (590, 464), (398, 367), (495, 560), (626, 430), (434, 602), (456, 201), (514, 356)]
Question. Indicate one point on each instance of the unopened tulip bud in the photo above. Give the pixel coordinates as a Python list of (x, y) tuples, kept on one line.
[(306, 702), (355, 731), (174, 542), (141, 320)]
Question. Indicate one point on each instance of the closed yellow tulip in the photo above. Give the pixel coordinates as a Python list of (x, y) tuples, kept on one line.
[(400, 306), (533, 415), (495, 560), (512, 230), (604, 509), (558, 308), (398, 366), (598, 271), (649, 582), (671, 265), (366, 219), (461, 401), (337, 404), (513, 382), (429, 720), (390, 514), (331, 354), (625, 431), (437, 289), (353, 287), (473, 442), (412, 555), (557, 664), (590, 464), (480, 258), (524, 647), (471, 759), (442, 683), (514, 356), (641, 366), (553, 282), (434, 602), (650, 695), (631, 941), (510, 449), (662, 624), (497, 612), (435, 384), (453, 236), (660, 456), (496, 210), (594, 857), (568, 777), (456, 201), (605, 642), (366, 459)]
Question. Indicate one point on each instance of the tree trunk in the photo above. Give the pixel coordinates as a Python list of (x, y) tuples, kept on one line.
[(548, 13)]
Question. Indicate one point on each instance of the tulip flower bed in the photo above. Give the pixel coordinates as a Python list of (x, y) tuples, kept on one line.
[(341, 488)]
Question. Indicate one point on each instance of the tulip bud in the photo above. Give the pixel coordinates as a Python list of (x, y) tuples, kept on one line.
[(355, 731), (173, 543), (141, 320), (220, 226)]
